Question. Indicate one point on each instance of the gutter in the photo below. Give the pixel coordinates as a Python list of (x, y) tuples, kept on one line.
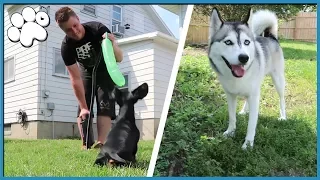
[(148, 36)]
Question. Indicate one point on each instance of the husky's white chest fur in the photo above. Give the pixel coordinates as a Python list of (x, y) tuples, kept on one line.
[(242, 87)]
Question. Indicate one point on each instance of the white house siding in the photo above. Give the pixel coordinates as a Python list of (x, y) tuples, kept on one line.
[(150, 61), (22, 93), (61, 93), (165, 52), (138, 62)]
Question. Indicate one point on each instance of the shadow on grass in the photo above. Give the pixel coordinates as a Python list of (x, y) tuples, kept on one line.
[(143, 164), (299, 54), (282, 148), (140, 164)]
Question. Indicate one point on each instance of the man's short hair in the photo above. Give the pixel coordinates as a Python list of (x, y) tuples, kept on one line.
[(63, 14)]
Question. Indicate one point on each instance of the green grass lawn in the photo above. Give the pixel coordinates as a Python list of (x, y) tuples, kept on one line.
[(65, 158), (199, 110)]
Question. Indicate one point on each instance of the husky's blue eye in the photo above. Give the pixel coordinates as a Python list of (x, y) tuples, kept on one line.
[(246, 42), (228, 42)]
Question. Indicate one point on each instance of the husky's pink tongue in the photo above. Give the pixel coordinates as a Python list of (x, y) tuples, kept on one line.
[(238, 70)]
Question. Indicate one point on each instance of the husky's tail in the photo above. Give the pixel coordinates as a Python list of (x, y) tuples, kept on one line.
[(265, 23)]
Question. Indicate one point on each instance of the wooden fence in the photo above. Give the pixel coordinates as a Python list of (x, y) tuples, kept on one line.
[(302, 28)]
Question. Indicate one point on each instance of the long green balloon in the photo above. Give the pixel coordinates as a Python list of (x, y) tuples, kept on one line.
[(111, 63)]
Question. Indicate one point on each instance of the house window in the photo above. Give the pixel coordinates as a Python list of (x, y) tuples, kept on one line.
[(125, 88), (89, 9), (9, 69), (116, 14), (59, 66)]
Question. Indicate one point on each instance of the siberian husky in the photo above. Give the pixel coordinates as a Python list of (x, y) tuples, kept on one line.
[(242, 54)]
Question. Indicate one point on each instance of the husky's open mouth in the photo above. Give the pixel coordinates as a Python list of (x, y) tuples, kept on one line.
[(236, 70)]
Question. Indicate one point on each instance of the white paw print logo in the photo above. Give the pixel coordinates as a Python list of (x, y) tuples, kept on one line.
[(32, 27)]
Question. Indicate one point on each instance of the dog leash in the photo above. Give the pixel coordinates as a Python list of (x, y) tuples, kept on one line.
[(88, 121)]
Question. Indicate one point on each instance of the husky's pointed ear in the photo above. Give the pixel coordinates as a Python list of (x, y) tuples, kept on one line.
[(215, 22), (248, 18)]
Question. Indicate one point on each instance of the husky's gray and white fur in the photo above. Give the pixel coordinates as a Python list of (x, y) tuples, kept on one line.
[(242, 54)]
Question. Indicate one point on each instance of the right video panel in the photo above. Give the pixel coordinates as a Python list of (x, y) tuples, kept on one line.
[(244, 102)]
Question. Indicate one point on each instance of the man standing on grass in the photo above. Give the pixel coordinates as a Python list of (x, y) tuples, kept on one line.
[(82, 44)]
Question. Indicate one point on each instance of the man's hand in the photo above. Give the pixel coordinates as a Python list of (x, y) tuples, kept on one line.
[(84, 113), (117, 51), (110, 36)]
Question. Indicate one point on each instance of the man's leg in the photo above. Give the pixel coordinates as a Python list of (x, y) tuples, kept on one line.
[(103, 127), (105, 106), (105, 113)]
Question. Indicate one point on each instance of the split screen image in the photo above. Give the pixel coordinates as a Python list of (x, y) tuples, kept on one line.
[(204, 90)]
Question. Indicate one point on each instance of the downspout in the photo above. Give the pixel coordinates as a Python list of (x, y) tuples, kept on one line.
[(45, 75), (45, 84), (41, 112), (41, 99)]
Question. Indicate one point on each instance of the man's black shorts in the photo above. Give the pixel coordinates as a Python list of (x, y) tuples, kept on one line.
[(104, 87)]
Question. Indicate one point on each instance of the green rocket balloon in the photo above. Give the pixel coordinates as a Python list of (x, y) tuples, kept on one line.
[(110, 60)]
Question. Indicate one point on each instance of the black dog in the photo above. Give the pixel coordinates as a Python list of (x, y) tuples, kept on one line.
[(122, 141)]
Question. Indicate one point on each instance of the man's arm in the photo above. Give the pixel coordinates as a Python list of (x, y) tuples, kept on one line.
[(117, 51), (77, 85), (102, 29)]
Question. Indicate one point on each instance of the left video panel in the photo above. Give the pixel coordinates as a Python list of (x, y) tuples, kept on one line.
[(85, 85)]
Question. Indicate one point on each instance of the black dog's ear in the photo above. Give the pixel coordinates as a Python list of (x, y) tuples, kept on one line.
[(141, 91)]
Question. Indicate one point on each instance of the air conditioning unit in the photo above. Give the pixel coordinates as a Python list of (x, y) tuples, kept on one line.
[(118, 30)]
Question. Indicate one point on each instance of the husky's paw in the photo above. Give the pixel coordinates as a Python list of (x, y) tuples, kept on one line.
[(246, 144), (282, 118), (229, 133)]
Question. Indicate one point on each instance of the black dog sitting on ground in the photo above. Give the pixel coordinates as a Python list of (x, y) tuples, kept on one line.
[(122, 141)]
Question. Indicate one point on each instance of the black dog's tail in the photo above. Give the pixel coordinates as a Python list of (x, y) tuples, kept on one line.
[(101, 159), (116, 157), (105, 156)]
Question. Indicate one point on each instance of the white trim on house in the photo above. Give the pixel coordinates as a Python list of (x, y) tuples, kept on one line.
[(175, 9), (148, 36), (179, 10), (157, 18)]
